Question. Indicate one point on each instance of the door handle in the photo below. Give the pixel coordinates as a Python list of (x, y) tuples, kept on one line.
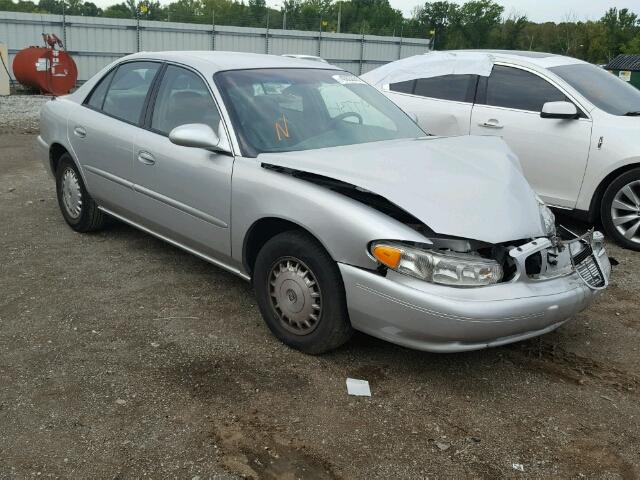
[(80, 132), (146, 158), (491, 124)]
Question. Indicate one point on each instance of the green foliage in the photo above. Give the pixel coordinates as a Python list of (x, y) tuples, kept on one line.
[(474, 24)]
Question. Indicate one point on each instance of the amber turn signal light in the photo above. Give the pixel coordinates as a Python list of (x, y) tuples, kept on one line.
[(386, 255)]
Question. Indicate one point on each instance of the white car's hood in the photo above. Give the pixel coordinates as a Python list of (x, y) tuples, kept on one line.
[(470, 187)]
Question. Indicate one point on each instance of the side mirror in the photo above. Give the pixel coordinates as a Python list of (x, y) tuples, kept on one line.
[(198, 135), (559, 110)]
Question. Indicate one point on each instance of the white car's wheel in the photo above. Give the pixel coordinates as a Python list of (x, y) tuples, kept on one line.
[(620, 210)]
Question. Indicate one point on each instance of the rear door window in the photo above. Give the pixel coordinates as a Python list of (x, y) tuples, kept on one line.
[(518, 89), (128, 90)]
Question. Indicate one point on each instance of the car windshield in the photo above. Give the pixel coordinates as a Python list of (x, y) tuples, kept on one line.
[(603, 89), (283, 110)]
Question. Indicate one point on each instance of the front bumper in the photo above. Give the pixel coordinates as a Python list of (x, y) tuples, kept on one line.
[(437, 318)]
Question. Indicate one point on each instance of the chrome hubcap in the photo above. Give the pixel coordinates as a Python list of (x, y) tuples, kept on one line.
[(295, 295), (625, 211), (71, 193)]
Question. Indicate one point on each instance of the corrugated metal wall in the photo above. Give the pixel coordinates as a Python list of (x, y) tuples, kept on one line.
[(94, 42)]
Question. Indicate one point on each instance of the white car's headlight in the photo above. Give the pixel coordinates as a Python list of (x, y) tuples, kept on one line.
[(455, 269), (548, 219)]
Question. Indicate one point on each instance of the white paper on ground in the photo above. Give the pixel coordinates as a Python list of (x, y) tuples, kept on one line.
[(429, 65), (357, 387)]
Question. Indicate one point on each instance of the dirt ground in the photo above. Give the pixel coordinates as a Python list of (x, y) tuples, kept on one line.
[(123, 357)]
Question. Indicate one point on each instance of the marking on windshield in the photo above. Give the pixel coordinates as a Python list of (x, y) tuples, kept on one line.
[(282, 129)]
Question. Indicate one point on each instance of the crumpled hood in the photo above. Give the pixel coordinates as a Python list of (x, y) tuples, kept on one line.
[(470, 187)]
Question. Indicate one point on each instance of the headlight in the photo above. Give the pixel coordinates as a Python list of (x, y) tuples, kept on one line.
[(548, 219), (455, 269)]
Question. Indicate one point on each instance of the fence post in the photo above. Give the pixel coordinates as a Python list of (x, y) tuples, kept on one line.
[(137, 31), (320, 39), (213, 30), (266, 35), (361, 52), (64, 26)]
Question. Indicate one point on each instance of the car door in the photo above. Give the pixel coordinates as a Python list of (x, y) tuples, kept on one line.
[(442, 105), (183, 193), (102, 130), (553, 152)]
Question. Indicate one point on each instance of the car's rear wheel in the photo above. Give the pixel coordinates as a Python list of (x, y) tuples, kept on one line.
[(620, 210), (300, 293), (79, 210)]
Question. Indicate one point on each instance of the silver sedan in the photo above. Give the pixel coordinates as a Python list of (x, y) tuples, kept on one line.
[(341, 211)]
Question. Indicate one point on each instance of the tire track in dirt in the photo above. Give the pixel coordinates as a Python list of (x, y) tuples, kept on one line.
[(253, 449), (558, 362)]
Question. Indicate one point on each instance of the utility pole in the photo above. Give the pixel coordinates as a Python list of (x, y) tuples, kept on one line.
[(339, 14), (284, 19)]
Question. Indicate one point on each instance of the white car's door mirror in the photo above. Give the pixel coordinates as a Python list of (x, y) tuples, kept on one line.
[(559, 110), (197, 135)]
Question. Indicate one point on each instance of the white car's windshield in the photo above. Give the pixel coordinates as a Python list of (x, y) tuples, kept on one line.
[(282, 110), (604, 90)]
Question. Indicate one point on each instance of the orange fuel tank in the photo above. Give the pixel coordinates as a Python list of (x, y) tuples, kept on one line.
[(46, 69)]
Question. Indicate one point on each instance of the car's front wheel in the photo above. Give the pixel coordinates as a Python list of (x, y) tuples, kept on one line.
[(300, 293), (620, 210), (79, 210)]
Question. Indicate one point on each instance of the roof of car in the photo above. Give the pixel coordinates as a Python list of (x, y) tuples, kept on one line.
[(540, 59), (219, 61), (625, 62)]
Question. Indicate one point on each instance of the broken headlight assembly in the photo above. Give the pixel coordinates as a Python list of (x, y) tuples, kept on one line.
[(437, 266), (547, 218)]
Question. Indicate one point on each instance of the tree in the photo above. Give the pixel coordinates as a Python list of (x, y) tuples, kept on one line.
[(119, 10), (476, 21), (633, 46), (435, 18), (620, 27)]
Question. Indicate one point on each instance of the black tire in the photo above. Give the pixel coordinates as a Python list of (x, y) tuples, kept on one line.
[(87, 218), (606, 206), (333, 328)]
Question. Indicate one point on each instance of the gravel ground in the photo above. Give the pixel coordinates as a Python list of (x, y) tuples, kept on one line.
[(20, 113), (123, 357)]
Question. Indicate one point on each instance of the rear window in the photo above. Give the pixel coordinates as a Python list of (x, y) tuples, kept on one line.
[(96, 99), (403, 87), (455, 88)]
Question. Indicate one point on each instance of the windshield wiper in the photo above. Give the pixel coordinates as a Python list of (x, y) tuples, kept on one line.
[(632, 114)]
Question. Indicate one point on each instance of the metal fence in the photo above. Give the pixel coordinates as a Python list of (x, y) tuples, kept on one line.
[(97, 41)]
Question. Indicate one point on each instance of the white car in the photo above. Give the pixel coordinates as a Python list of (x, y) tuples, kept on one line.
[(573, 126)]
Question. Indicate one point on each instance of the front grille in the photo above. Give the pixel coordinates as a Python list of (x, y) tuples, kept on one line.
[(588, 268)]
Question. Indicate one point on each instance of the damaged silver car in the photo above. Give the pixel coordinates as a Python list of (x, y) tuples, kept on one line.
[(314, 186)]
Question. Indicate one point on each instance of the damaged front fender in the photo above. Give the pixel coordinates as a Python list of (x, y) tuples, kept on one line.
[(345, 226)]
